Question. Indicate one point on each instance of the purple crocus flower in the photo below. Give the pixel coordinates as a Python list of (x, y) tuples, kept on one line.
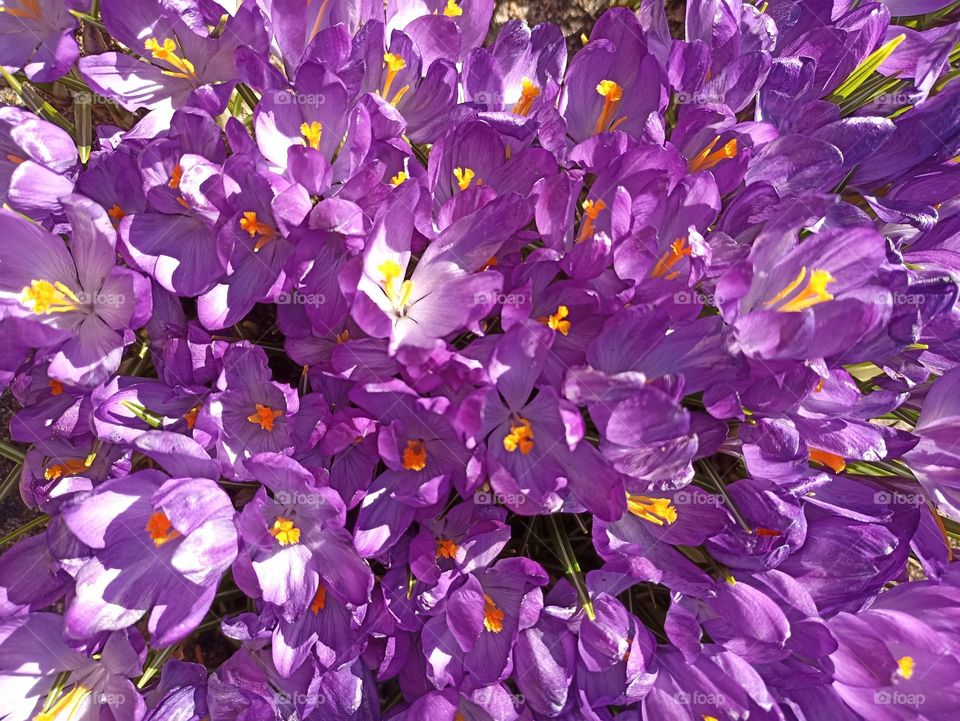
[(38, 162), (77, 303), (38, 37), (33, 653), (159, 544), (295, 549)]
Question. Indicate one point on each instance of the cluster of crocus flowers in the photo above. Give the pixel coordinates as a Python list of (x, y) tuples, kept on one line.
[(376, 371)]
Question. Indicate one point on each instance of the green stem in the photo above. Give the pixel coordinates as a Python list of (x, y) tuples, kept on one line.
[(249, 97), (24, 529), (10, 482), (11, 452), (715, 478), (571, 567), (40, 106)]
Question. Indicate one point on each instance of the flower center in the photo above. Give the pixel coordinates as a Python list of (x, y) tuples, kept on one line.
[(191, 416), (557, 321), (612, 94), (492, 616), (160, 529), (464, 177), (56, 387), (447, 548), (591, 209), (452, 10), (814, 291), (285, 532), (254, 227), (311, 133), (528, 93), (656, 510), (708, 157), (116, 213), (905, 666), (398, 293), (68, 705), (319, 599), (677, 250), (393, 65), (176, 175), (70, 467), (44, 297), (399, 178), (415, 455), (825, 458), (520, 436), (264, 416), (167, 52)]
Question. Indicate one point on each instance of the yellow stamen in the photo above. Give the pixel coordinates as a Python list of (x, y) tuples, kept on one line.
[(285, 532), (452, 10), (905, 666), (44, 297), (828, 459), (311, 134), (167, 53), (678, 249), (557, 321), (319, 599), (160, 529), (591, 209), (708, 157), (492, 616), (67, 707), (464, 177), (520, 436), (612, 94), (528, 93), (391, 272), (814, 292), (393, 64), (254, 227), (56, 387), (447, 548), (264, 416), (415, 455), (70, 467), (656, 510), (399, 178)]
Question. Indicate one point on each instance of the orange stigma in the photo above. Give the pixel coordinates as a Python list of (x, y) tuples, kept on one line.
[(447, 548), (70, 467), (825, 458), (264, 416), (612, 94), (677, 250), (56, 387), (492, 616), (415, 455), (254, 227), (591, 209), (160, 529), (708, 157), (319, 600), (528, 93), (520, 436)]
